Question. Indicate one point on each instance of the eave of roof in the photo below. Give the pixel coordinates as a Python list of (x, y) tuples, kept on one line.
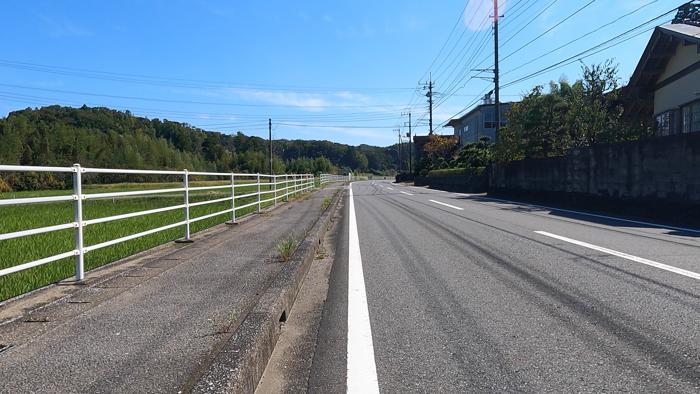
[(659, 49), (456, 121)]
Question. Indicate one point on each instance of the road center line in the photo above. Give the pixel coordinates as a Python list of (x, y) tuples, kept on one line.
[(640, 260), (407, 193), (447, 205), (361, 368)]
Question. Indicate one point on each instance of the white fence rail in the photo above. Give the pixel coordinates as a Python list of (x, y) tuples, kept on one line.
[(327, 178), (278, 187)]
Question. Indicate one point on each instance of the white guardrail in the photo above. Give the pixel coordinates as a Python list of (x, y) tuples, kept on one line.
[(280, 187), (327, 178)]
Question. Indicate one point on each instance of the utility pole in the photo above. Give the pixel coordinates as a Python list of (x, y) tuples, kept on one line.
[(497, 106), (269, 129), (410, 139), (430, 102), (398, 150)]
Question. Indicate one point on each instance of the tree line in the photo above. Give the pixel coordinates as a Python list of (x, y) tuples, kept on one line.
[(102, 137)]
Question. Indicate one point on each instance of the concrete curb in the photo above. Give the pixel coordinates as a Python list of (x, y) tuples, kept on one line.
[(239, 365)]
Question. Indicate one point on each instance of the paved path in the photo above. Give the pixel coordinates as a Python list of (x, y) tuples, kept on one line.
[(154, 328), (468, 294)]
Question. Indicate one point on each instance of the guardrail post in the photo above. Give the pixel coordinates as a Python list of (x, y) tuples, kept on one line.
[(233, 200), (274, 185), (258, 192), (286, 187), (78, 218), (186, 185)]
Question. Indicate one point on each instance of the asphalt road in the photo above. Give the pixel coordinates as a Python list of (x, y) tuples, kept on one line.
[(468, 294)]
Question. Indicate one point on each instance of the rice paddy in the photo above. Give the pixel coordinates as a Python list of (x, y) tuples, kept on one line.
[(24, 217)]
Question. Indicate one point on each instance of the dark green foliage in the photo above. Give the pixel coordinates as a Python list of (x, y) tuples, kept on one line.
[(101, 137), (475, 155), (444, 153), (569, 116), (476, 171)]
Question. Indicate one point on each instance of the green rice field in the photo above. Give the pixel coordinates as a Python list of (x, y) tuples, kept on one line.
[(24, 217)]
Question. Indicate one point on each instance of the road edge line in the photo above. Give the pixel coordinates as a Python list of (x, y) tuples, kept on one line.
[(361, 367)]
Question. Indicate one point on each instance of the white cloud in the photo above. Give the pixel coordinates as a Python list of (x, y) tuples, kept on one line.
[(306, 101), (377, 137), (63, 28)]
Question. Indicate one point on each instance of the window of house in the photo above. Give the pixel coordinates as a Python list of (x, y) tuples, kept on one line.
[(695, 117), (663, 123), (685, 119)]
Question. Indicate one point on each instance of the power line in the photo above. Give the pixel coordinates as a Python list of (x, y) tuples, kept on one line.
[(612, 42), (177, 82), (581, 37), (510, 19), (585, 53), (453, 85), (548, 6), (195, 102), (334, 127), (550, 29), (454, 27)]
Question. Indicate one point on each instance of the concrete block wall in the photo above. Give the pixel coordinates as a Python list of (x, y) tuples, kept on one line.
[(455, 183), (663, 170)]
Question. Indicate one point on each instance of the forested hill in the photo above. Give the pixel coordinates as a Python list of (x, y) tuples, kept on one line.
[(101, 137)]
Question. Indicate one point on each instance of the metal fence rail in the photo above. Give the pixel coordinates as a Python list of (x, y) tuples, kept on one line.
[(327, 178), (266, 189)]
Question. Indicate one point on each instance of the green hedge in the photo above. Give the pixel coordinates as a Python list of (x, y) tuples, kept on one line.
[(474, 171)]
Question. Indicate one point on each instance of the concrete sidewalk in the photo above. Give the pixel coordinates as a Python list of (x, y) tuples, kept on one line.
[(157, 326)]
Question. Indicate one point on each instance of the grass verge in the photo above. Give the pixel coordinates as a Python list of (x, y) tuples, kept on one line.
[(286, 248)]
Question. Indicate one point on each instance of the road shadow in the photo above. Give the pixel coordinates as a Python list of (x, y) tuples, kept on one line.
[(606, 218)]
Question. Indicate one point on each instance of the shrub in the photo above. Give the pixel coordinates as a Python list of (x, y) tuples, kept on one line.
[(4, 187), (472, 171), (286, 248), (326, 203)]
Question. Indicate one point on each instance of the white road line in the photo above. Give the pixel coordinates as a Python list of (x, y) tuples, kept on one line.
[(640, 260), (361, 369), (407, 193), (447, 205), (650, 224), (390, 188)]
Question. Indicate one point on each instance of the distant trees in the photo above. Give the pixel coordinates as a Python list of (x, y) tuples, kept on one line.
[(100, 137)]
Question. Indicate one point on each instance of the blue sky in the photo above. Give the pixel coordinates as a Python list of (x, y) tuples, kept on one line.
[(336, 70)]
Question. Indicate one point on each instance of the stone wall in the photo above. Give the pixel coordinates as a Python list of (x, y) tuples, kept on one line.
[(663, 173), (462, 183)]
